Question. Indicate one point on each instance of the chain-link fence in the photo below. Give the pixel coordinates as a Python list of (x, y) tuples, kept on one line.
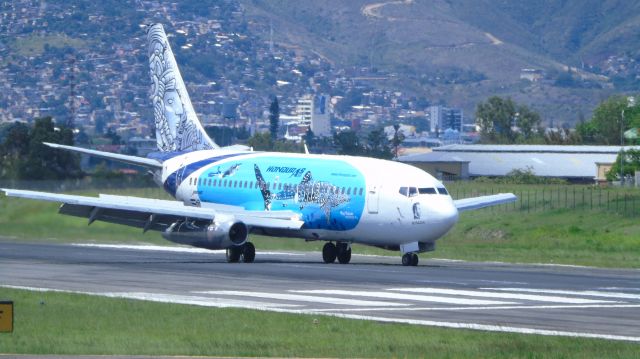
[(623, 200)]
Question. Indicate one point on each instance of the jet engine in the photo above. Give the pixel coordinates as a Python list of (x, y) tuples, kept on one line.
[(223, 232)]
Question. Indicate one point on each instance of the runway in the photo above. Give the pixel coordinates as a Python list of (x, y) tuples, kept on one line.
[(538, 299)]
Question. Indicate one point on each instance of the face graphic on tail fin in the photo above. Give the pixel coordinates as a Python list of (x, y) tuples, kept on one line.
[(177, 126)]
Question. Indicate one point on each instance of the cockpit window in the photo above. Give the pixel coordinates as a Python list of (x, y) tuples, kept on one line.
[(442, 190), (404, 191), (428, 190), (413, 191)]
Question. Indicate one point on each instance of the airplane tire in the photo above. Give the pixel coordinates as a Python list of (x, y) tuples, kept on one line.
[(329, 252), (414, 259), (248, 252), (233, 254), (406, 259), (344, 253)]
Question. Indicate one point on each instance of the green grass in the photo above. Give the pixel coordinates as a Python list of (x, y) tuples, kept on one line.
[(536, 229), (33, 45), (60, 323)]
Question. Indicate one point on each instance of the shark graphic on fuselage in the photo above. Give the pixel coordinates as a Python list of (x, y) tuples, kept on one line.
[(307, 193)]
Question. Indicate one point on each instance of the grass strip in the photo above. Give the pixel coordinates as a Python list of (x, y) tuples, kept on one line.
[(61, 323), (585, 235)]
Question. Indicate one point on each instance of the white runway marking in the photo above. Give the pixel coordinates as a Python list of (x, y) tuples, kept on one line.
[(421, 298), (473, 293), (305, 298), (152, 248), (168, 298), (588, 293), (506, 307), (474, 326), (488, 327)]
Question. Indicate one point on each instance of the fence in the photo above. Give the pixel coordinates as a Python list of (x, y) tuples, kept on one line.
[(624, 200)]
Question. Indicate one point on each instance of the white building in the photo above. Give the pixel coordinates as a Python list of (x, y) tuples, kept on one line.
[(441, 118), (314, 110)]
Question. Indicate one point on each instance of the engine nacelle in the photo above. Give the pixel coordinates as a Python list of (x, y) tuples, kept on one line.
[(222, 233)]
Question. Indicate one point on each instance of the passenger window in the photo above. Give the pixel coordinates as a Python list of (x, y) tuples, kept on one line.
[(413, 191), (215, 182), (190, 180), (428, 190), (361, 189), (404, 191), (279, 186), (349, 191), (442, 190)]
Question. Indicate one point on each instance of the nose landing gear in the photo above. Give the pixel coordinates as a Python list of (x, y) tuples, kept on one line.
[(410, 259)]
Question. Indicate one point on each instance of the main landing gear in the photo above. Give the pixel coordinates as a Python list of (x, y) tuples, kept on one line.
[(410, 259), (340, 250), (245, 253)]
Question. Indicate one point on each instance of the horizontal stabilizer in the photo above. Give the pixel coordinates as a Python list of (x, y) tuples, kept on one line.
[(467, 204), (132, 160)]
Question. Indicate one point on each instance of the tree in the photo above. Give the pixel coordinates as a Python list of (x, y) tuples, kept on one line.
[(348, 143), (528, 121), (495, 118), (45, 163), (274, 118), (261, 142), (498, 117), (13, 150), (606, 124), (397, 139), (309, 137), (630, 165), (378, 145)]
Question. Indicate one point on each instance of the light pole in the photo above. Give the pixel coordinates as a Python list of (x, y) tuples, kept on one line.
[(631, 101), (622, 148)]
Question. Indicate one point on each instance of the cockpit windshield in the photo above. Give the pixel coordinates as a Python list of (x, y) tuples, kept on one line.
[(414, 191), (427, 190)]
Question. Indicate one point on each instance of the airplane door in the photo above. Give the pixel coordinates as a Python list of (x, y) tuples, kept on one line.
[(373, 200)]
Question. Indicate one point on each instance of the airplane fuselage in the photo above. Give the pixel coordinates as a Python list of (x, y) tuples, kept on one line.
[(341, 198)]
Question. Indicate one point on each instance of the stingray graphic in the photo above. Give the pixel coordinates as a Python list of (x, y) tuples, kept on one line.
[(307, 192), (228, 173)]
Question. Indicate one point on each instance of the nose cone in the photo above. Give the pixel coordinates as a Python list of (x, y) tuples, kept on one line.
[(444, 218)]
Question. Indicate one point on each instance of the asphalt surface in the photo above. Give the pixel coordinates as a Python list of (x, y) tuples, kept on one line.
[(539, 299)]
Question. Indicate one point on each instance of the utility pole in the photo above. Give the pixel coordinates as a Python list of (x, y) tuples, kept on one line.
[(70, 123), (630, 103), (622, 148)]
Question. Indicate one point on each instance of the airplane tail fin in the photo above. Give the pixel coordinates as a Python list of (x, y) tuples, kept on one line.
[(177, 126)]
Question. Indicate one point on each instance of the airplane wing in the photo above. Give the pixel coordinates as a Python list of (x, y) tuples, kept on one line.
[(134, 160), (467, 204), (155, 214)]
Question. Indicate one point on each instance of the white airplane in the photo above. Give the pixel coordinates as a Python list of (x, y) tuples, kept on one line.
[(223, 194)]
